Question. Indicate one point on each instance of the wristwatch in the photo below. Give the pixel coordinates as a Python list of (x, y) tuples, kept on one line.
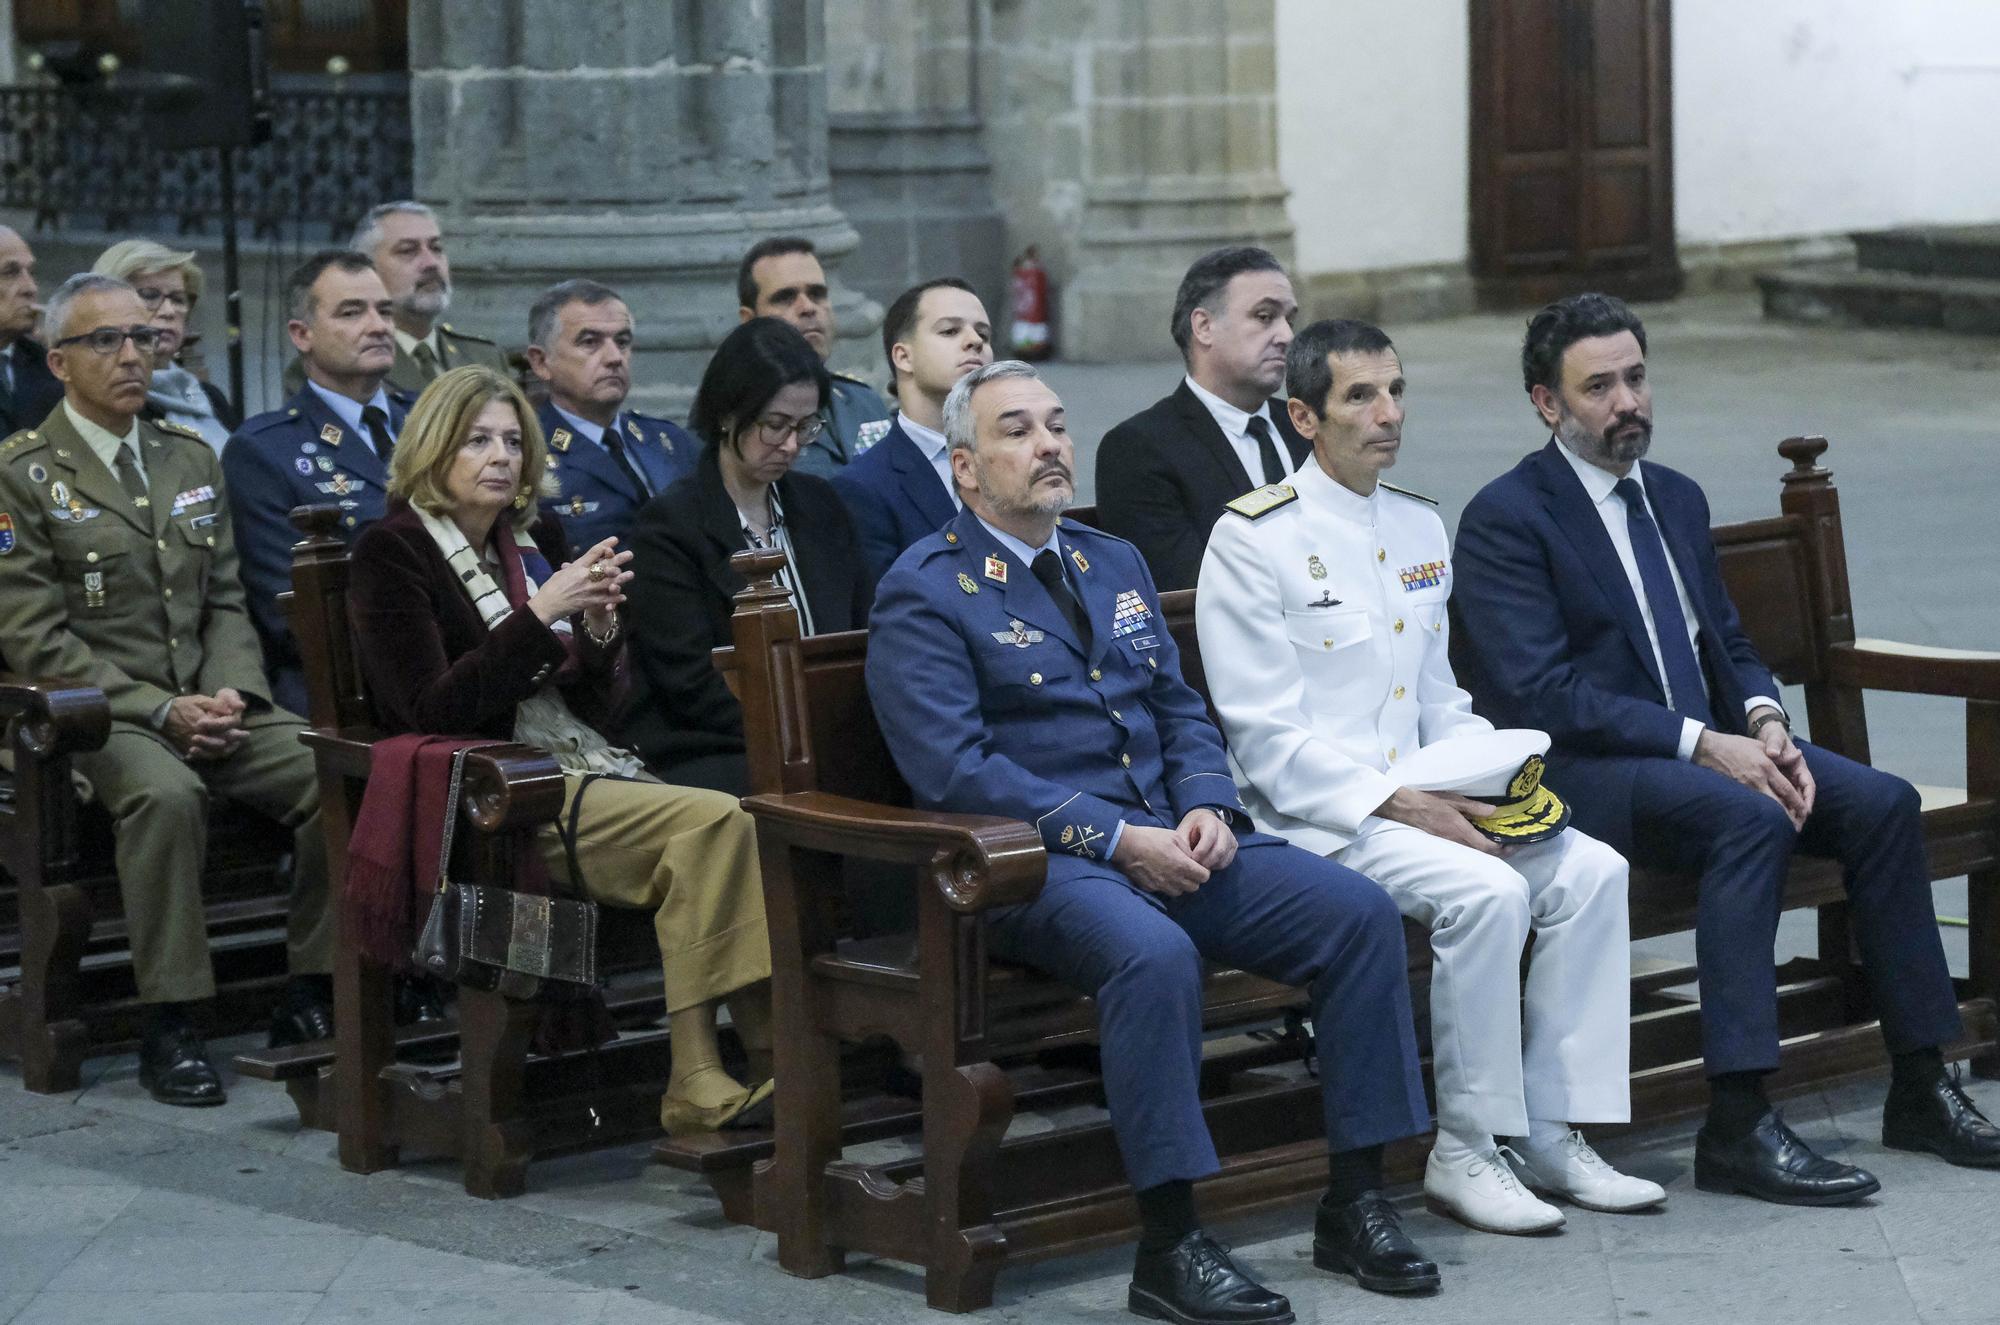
[(1775, 715)]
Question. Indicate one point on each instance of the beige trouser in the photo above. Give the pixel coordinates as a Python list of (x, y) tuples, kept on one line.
[(159, 811), (690, 857)]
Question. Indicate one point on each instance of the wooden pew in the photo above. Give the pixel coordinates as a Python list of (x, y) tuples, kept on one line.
[(977, 1199), (495, 1105), (67, 989)]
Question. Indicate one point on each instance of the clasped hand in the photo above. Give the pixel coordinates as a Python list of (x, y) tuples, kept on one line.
[(1769, 763), (206, 726), (1176, 861), (571, 589)]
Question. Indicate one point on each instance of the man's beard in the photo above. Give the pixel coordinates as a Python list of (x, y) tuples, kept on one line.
[(427, 303), (1032, 502), (1606, 447)]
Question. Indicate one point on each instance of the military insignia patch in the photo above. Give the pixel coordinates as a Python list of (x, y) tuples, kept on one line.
[(192, 497), (325, 463), (965, 583), (93, 588), (1130, 615), (330, 434), (632, 426), (59, 493), (996, 570), (1315, 567), (1082, 566), (1019, 635), (870, 433), (37, 473), (6, 533), (559, 439), (304, 465), (309, 448), (1424, 575), (1262, 501)]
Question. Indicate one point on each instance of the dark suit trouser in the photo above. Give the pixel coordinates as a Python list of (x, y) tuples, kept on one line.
[(1279, 911), (1740, 842)]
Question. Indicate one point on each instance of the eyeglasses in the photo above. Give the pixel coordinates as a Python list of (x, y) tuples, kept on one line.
[(106, 340), (152, 299), (775, 428)]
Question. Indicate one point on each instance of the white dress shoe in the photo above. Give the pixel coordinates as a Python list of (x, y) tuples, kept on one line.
[(1572, 1170), (1479, 1189)]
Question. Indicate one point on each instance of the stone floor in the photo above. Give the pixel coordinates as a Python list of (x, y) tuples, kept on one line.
[(113, 1209)]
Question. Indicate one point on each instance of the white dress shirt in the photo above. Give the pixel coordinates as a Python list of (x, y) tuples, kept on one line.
[(936, 450), (105, 444), (1235, 425), (348, 410), (1600, 486)]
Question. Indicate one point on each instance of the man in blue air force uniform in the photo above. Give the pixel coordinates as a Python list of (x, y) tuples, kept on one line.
[(605, 461), (1020, 666), (330, 443)]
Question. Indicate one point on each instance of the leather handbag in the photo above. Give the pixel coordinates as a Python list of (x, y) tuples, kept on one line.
[(488, 937)]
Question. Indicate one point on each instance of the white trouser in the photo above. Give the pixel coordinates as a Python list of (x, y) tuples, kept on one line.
[(1571, 891)]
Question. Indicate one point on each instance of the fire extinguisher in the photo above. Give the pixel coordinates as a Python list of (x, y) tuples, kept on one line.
[(1031, 307)]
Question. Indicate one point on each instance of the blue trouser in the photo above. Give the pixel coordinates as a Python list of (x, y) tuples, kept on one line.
[(1278, 911), (1683, 817)]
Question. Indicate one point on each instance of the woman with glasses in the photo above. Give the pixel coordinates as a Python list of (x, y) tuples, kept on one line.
[(169, 283), (761, 401)]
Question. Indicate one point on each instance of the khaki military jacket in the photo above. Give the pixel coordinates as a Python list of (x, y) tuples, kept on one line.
[(142, 602), (459, 349)]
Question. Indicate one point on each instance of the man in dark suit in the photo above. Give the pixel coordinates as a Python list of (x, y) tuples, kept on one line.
[(605, 461), (1164, 475), (1593, 607), (329, 443), (900, 490), (28, 390)]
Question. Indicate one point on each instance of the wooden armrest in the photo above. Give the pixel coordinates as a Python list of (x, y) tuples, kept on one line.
[(979, 861), (507, 788), (1916, 669), (53, 716)]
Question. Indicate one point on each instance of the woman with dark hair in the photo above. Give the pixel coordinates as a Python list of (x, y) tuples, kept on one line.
[(761, 401)]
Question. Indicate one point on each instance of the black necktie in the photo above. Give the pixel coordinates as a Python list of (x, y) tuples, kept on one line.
[(1048, 569), (616, 445), (1690, 698), (377, 424), (1267, 450)]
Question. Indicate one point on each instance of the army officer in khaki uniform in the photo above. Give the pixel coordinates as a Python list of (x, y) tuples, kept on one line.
[(117, 568)]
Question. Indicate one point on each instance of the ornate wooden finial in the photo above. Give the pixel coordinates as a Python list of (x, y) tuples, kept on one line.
[(1804, 453), (320, 522), (759, 566)]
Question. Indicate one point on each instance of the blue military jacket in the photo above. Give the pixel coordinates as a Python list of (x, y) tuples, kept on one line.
[(298, 455), (990, 705), (593, 494), (856, 418)]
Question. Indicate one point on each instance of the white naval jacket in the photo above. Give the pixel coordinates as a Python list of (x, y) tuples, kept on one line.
[(1324, 638)]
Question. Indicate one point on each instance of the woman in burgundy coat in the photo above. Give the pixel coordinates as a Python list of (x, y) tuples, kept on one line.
[(470, 624)]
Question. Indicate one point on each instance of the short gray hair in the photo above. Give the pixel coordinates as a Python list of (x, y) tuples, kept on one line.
[(549, 304), (55, 313), (369, 232), (958, 431)]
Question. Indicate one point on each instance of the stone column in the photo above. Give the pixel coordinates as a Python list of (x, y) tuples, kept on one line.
[(910, 170), (1181, 156), (641, 143)]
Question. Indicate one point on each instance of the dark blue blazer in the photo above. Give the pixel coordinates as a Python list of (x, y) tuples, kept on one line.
[(895, 498), (1549, 633), (36, 391), (592, 494), (300, 454)]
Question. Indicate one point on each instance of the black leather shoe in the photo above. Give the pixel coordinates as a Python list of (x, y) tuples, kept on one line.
[(1771, 1163), (174, 1067), (1942, 1119), (1194, 1282), (301, 1021), (1365, 1238)]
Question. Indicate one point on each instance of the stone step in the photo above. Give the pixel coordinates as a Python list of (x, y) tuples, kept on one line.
[(1966, 305), (1968, 250)]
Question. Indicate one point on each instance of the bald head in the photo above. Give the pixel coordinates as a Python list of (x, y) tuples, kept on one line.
[(18, 292)]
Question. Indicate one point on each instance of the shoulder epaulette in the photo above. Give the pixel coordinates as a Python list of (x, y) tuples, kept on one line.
[(19, 440), (448, 330), (1407, 493), (269, 419), (180, 430), (850, 377), (1262, 501)]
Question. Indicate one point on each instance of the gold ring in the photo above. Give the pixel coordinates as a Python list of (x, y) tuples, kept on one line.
[(598, 570)]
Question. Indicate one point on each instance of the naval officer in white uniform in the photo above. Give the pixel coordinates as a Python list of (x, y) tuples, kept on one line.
[(1321, 613)]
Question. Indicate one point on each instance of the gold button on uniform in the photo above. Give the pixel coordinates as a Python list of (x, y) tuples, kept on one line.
[(1399, 625), (90, 556), (1116, 716), (1326, 643), (1381, 554), (1125, 760), (1392, 754), (1034, 678), (1150, 663), (166, 593), (162, 542), (1399, 692), (1096, 675), (211, 540)]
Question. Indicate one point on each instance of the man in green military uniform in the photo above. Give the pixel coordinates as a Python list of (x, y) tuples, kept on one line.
[(781, 277), (403, 241), (117, 568)]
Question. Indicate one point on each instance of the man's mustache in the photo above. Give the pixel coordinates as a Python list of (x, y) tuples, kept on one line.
[(1053, 467), (1623, 421)]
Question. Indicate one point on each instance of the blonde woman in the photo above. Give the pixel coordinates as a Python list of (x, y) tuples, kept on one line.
[(470, 623), (169, 283)]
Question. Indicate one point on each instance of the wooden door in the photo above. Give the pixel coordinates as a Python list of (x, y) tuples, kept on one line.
[(1572, 149)]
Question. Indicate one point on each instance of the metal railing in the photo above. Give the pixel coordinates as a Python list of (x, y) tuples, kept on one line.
[(79, 158)]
